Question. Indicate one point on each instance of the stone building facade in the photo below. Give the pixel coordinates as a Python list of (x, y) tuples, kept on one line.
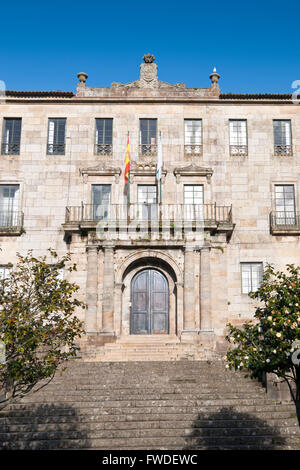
[(163, 265)]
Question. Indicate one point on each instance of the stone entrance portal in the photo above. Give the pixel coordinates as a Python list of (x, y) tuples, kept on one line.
[(149, 303)]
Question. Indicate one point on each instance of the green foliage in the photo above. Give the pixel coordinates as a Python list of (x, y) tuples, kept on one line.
[(37, 322), (266, 344)]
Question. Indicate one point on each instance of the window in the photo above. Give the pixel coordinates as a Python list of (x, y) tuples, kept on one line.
[(101, 200), (9, 205), (5, 272), (11, 136), (56, 136), (282, 137), (148, 132), (103, 136), (193, 137), (285, 211), (251, 276), (238, 137), (193, 201), (147, 202)]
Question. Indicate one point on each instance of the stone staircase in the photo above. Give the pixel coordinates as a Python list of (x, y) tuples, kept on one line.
[(149, 405), (147, 348)]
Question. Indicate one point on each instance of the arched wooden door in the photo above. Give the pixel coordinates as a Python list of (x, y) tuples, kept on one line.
[(149, 303)]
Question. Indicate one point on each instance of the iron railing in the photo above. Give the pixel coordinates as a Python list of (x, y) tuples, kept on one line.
[(283, 150), (239, 150), (11, 220), (55, 149), (208, 214), (103, 149), (10, 149), (285, 221), (193, 150), (147, 149)]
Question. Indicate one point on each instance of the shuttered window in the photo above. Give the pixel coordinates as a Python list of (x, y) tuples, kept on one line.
[(11, 137), (104, 136), (56, 136), (282, 137), (251, 276)]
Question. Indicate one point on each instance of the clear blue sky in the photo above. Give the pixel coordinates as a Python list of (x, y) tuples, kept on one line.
[(254, 45)]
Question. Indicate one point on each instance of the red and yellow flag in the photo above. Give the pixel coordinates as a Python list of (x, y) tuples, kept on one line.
[(127, 163)]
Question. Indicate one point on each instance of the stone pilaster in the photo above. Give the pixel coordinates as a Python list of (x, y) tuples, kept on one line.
[(108, 290), (189, 329), (91, 290), (205, 291)]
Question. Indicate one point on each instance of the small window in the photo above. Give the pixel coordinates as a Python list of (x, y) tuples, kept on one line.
[(193, 137), (285, 208), (103, 136), (251, 276), (238, 137), (193, 194), (10, 216), (101, 200), (282, 137), (56, 136), (5, 271), (11, 137), (148, 136)]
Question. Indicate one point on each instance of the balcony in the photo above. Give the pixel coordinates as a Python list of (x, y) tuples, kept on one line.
[(146, 150), (239, 150), (11, 222), (10, 149), (103, 149), (283, 150), (55, 149), (177, 218), (284, 223), (193, 150)]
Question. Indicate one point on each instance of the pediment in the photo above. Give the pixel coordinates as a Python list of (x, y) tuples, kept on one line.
[(101, 170), (193, 170)]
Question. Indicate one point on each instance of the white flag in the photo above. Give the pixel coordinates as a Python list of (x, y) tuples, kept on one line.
[(159, 159)]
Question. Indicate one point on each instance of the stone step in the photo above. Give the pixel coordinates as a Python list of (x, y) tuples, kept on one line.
[(157, 443)]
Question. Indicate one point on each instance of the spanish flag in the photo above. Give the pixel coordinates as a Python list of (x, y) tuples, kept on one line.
[(127, 163)]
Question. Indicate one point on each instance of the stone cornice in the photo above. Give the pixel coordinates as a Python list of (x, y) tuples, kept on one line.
[(101, 170), (193, 170)]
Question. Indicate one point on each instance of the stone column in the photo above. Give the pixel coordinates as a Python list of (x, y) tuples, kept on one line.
[(118, 308), (91, 290), (189, 331), (108, 290), (205, 291)]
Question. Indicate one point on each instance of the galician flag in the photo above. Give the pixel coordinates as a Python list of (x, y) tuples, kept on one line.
[(127, 163), (159, 159)]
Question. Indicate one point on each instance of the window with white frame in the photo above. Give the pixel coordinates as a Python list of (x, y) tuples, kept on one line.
[(193, 201), (5, 271), (282, 137), (285, 207), (101, 200), (251, 276), (9, 205), (193, 136), (238, 137)]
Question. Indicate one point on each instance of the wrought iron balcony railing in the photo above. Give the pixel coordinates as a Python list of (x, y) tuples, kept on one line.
[(283, 150), (11, 221), (147, 149), (103, 149), (239, 150), (205, 214), (284, 222), (10, 149), (193, 150), (55, 149)]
